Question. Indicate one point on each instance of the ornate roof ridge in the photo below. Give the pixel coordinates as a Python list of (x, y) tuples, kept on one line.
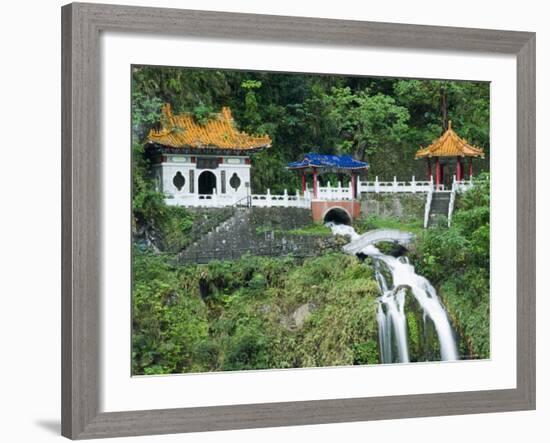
[(182, 130), (450, 144)]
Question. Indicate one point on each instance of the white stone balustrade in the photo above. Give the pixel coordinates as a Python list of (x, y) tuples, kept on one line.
[(303, 200), (269, 200), (334, 192), (412, 186)]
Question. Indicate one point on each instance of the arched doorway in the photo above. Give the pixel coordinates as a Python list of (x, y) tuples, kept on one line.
[(207, 183), (338, 216)]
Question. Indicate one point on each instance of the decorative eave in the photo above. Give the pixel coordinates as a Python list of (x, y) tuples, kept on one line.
[(203, 150), (450, 145), (329, 163), (219, 134)]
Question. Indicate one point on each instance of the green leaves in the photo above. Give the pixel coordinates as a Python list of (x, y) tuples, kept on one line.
[(203, 113), (456, 261), (368, 124), (145, 114), (248, 320)]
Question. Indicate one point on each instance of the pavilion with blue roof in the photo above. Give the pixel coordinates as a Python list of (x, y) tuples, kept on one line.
[(319, 163)]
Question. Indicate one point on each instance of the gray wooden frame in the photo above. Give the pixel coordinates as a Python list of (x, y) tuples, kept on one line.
[(81, 205)]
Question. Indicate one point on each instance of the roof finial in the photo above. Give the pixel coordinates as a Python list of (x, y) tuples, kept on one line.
[(450, 124)]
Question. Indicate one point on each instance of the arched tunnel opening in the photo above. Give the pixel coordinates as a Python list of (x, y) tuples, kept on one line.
[(338, 216)]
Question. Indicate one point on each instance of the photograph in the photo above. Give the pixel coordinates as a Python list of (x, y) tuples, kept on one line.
[(307, 220)]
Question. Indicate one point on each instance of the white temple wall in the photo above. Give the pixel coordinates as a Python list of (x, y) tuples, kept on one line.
[(188, 193)]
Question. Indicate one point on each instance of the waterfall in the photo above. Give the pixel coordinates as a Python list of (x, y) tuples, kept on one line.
[(391, 315)]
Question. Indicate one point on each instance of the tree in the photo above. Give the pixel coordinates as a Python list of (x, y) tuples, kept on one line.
[(370, 126), (433, 103)]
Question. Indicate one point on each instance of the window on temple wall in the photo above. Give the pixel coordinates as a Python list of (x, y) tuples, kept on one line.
[(235, 181), (179, 181)]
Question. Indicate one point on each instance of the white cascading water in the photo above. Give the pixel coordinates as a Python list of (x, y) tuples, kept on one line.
[(392, 322)]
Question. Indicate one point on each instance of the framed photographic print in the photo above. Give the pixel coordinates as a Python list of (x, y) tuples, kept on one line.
[(273, 221)]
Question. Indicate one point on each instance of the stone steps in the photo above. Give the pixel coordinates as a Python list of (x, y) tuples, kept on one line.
[(439, 207), (241, 234)]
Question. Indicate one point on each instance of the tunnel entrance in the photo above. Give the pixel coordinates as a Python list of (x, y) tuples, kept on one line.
[(338, 216)]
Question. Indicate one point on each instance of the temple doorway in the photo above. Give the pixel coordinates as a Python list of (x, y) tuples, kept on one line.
[(207, 183)]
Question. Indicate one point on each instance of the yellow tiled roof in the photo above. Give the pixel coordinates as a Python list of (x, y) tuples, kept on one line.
[(178, 131), (450, 145)]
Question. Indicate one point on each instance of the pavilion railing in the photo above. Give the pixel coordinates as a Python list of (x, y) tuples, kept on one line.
[(338, 192), (412, 186), (277, 200)]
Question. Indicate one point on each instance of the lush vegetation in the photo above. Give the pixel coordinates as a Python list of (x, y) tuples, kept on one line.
[(310, 229), (414, 225), (253, 313), (256, 313), (456, 261), (383, 121)]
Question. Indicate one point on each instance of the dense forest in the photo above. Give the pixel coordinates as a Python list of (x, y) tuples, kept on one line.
[(283, 312), (380, 120)]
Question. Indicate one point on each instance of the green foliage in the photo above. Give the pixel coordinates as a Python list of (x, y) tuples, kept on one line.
[(145, 114), (383, 121), (370, 222), (312, 229), (202, 113), (456, 261), (147, 203), (251, 116), (175, 228), (242, 315), (365, 353), (315, 229), (169, 325), (368, 123)]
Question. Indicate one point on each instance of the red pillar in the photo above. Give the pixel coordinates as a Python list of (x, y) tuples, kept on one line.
[(315, 185), (458, 169), (303, 181), (437, 172), (429, 168), (353, 185), (471, 168)]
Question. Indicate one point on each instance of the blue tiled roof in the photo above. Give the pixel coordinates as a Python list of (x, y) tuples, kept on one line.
[(328, 161)]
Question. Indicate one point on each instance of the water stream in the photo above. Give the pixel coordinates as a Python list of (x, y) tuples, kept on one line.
[(397, 280)]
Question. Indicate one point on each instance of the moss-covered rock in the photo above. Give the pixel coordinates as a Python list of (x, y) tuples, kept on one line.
[(391, 248)]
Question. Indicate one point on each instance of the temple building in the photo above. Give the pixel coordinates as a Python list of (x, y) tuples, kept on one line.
[(331, 200), (447, 151), (195, 164)]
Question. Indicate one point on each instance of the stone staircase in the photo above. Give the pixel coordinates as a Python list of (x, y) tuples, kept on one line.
[(237, 236), (221, 242), (439, 207), (243, 233)]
